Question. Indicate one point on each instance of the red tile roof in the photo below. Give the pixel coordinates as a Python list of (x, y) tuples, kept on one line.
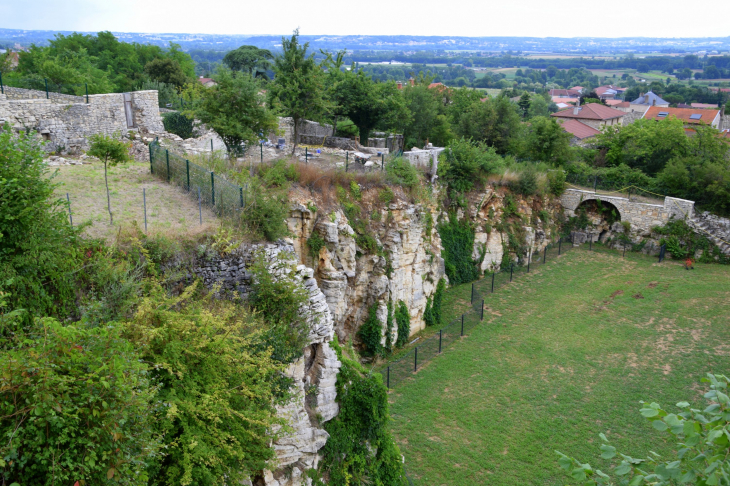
[(578, 129), (684, 114), (591, 111), (566, 93), (205, 80)]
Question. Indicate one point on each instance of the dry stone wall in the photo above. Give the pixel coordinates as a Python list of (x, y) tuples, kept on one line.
[(25, 94), (67, 126)]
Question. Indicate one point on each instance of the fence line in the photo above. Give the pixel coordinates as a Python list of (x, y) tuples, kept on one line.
[(43, 88), (225, 198), (407, 365)]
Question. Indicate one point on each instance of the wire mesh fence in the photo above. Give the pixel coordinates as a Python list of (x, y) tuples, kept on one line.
[(226, 198), (37, 87)]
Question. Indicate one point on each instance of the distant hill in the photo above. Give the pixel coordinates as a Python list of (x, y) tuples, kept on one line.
[(577, 45)]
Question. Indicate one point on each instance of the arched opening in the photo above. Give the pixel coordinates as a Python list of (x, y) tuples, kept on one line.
[(595, 209)]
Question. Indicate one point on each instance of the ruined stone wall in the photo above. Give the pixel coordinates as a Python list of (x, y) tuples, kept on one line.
[(69, 125), (317, 369), (306, 128), (631, 117)]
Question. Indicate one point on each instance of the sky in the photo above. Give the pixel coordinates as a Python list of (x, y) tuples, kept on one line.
[(533, 18)]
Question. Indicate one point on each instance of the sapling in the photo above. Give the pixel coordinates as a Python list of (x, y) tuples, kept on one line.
[(112, 152)]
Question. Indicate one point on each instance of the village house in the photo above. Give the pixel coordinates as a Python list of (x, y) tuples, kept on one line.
[(207, 82), (594, 115), (580, 131), (690, 116), (564, 93), (609, 92), (647, 100)]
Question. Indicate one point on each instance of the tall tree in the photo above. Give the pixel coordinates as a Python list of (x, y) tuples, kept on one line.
[(234, 109), (250, 59), (298, 84)]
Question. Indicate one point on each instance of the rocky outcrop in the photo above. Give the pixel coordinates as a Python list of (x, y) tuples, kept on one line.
[(314, 375), (714, 227), (407, 269)]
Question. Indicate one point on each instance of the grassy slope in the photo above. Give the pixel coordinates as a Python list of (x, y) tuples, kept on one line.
[(169, 209), (560, 361)]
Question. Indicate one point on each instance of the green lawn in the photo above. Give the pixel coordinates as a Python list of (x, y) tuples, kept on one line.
[(565, 352)]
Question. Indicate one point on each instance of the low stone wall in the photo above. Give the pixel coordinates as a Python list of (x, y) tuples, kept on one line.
[(331, 142), (34, 94), (631, 117), (306, 129)]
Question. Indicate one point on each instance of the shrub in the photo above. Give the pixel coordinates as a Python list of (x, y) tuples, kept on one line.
[(556, 182), (76, 406), (403, 321), (315, 243), (265, 216), (355, 190), (217, 384), (370, 333), (279, 174), (428, 317), (466, 163), (386, 195), (527, 183), (457, 239), (179, 124), (38, 246), (544, 216), (401, 172), (360, 448)]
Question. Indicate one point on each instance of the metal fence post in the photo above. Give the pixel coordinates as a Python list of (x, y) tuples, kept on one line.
[(200, 207), (382, 162), (167, 159), (462, 324), (2, 87), (306, 155), (388, 379), (347, 160), (493, 274), (560, 243), (544, 256), (529, 258), (70, 216), (595, 183), (212, 188), (590, 243), (624, 251), (262, 152), (415, 361), (144, 203), (187, 173), (46, 81), (86, 85), (472, 293), (240, 193), (440, 336), (152, 166), (482, 317)]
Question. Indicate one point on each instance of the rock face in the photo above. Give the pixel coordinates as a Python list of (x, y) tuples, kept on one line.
[(314, 374), (408, 269)]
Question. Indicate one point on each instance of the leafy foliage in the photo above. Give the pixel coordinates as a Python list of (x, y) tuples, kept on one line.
[(179, 124), (438, 297), (702, 446), (428, 317), (265, 215), (38, 249), (466, 163), (76, 404), (401, 172), (111, 152), (403, 321), (361, 448), (371, 333), (556, 182), (315, 244), (457, 238)]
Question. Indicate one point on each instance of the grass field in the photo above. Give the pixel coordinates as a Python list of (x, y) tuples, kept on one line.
[(565, 353), (169, 209)]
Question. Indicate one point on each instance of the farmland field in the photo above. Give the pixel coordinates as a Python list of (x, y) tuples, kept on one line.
[(564, 353)]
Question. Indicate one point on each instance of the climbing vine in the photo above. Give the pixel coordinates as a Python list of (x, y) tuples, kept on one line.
[(403, 320), (370, 333), (457, 238), (361, 448)]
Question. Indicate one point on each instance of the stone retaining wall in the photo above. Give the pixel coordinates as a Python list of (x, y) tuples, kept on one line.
[(67, 126), (34, 94)]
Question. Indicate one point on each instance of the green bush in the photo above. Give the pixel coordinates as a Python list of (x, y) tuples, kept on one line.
[(279, 174), (360, 448), (556, 182), (457, 238), (386, 195), (315, 244), (370, 333), (526, 184), (403, 321), (401, 172), (265, 215), (437, 299), (428, 317), (355, 190), (76, 405), (38, 247), (179, 124), (466, 163)]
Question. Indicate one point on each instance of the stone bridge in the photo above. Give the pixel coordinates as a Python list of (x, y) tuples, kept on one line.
[(642, 216)]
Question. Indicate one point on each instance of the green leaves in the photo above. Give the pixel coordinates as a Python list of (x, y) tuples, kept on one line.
[(702, 457)]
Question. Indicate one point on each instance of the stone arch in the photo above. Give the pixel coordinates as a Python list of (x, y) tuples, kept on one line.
[(605, 203)]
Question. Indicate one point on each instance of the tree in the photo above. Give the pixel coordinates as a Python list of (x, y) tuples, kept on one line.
[(298, 84), (702, 447), (495, 122), (466, 163), (426, 121), (166, 71), (642, 67), (539, 106), (112, 152), (249, 59), (234, 109), (551, 71), (545, 140), (524, 103)]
